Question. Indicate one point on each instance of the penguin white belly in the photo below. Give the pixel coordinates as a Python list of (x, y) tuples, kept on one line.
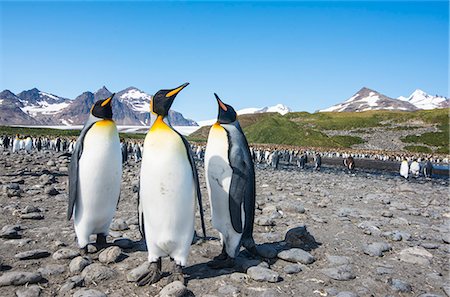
[(218, 174), (99, 179), (28, 145), (16, 145), (404, 169), (167, 195)]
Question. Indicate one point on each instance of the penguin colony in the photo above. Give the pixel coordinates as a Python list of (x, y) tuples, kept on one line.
[(169, 186)]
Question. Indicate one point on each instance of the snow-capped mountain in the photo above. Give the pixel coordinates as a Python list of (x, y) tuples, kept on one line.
[(34, 107), (367, 99), (422, 100), (35, 102), (280, 108)]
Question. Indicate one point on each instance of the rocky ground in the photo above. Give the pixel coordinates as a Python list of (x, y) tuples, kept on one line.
[(325, 233)]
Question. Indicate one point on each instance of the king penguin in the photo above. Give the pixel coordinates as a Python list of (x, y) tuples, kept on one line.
[(168, 191), (230, 180), (95, 175)]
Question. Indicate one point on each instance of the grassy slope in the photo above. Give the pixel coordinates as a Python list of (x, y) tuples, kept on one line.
[(302, 128)]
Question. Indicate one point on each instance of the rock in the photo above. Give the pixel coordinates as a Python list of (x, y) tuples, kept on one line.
[(446, 238), (264, 221), (446, 289), (347, 294), (376, 249), (340, 273), (416, 255), (52, 269), (338, 260), (97, 273), (384, 270), (123, 243), (32, 216), (429, 245), (296, 255), (65, 253), (228, 290), (31, 291), (47, 179), (138, 272), (292, 268), (74, 281), (174, 289), (51, 163), (18, 278), (78, 264), (119, 225), (51, 191), (299, 237), (29, 209), (239, 277), (85, 292), (400, 286), (110, 255), (262, 274), (266, 251), (33, 254), (11, 232)]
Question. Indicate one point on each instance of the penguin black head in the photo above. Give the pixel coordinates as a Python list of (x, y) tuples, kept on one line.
[(102, 108), (163, 99), (226, 114)]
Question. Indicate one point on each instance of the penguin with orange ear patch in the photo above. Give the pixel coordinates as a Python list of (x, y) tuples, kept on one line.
[(168, 192), (230, 179), (95, 175)]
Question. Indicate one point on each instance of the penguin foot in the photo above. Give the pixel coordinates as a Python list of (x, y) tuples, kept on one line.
[(252, 250), (220, 264), (84, 251), (177, 275), (100, 242), (222, 256), (153, 276)]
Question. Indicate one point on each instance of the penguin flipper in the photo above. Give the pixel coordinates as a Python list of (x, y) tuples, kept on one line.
[(242, 187), (140, 214), (73, 177), (196, 181)]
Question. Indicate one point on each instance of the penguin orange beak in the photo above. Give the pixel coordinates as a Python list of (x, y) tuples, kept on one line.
[(108, 100), (176, 90), (224, 108)]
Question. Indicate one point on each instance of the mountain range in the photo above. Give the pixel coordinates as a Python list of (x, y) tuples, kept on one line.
[(131, 107), (367, 99), (34, 107)]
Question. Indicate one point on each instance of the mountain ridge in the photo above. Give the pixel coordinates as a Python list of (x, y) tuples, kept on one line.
[(367, 99), (35, 107)]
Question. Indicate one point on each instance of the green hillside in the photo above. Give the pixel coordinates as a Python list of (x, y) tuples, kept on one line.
[(307, 129)]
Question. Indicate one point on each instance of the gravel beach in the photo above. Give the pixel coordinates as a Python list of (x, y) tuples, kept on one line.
[(325, 233)]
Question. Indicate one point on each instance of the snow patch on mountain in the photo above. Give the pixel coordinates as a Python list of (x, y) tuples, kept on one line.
[(138, 100), (280, 108), (422, 100)]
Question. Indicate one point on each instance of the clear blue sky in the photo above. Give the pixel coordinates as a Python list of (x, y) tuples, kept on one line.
[(307, 55)]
